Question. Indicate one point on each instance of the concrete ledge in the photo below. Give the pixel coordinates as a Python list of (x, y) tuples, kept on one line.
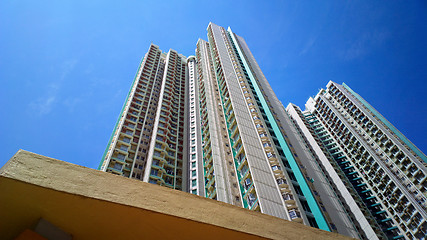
[(91, 204)]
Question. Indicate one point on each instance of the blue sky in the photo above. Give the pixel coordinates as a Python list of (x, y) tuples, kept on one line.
[(66, 66)]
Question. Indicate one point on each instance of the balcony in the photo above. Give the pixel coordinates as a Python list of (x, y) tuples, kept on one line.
[(114, 170), (289, 198), (244, 170), (295, 216), (247, 183), (276, 169), (241, 158), (252, 199), (119, 159), (282, 183)]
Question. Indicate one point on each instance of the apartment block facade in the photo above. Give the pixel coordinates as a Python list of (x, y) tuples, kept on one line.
[(210, 124), (149, 141), (374, 167)]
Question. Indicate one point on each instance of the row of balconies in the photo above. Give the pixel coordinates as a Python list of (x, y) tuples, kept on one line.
[(244, 173), (380, 136), (394, 153)]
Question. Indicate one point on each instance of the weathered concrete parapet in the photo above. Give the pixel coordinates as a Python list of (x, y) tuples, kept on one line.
[(91, 204)]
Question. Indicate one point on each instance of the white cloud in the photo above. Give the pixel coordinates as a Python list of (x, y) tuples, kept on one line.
[(364, 44), (308, 45), (71, 103), (356, 49), (44, 104)]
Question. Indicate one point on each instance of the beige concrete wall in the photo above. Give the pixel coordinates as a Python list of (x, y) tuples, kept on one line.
[(91, 204)]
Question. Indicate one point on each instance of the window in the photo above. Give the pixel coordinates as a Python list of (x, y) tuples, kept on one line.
[(275, 167), (118, 166), (236, 137), (294, 214), (193, 156), (251, 199), (193, 164), (305, 206), (267, 145), (194, 182), (281, 181), (193, 149), (121, 156), (193, 173), (154, 172), (126, 140), (240, 157), (244, 169), (248, 182), (298, 190), (291, 174)]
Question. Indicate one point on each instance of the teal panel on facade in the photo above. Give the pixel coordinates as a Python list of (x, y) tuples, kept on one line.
[(399, 237), (320, 220)]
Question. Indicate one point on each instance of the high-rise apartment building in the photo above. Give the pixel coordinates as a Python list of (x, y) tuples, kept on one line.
[(211, 125), (149, 141), (370, 162)]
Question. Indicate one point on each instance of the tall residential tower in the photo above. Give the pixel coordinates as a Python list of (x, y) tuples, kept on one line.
[(211, 125), (382, 171), (149, 141)]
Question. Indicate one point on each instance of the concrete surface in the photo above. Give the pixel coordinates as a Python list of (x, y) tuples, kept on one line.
[(91, 204)]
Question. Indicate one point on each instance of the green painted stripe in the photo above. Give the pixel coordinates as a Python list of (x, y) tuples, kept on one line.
[(399, 237), (121, 113), (320, 220), (388, 124)]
